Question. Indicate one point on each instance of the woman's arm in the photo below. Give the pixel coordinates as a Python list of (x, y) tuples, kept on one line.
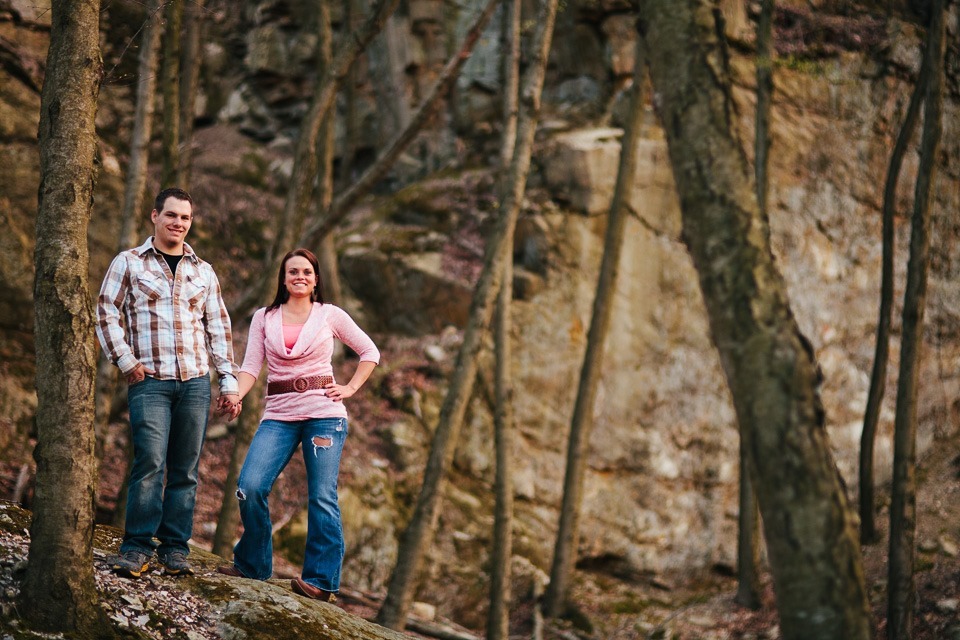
[(338, 392)]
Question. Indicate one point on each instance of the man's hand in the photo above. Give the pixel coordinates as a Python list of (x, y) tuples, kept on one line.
[(138, 374)]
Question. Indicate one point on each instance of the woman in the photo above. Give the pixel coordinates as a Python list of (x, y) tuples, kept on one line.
[(304, 407)]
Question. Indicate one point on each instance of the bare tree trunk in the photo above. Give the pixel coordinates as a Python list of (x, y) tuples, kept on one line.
[(568, 531), (498, 616), (903, 507), (136, 181), (428, 107), (171, 94), (226, 533), (809, 524), (878, 377), (388, 73), (326, 247), (748, 519), (419, 532), (351, 122), (748, 541), (120, 508), (58, 591), (132, 212), (189, 85), (305, 155)]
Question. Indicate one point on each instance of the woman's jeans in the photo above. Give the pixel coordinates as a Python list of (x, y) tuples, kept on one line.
[(168, 422), (271, 450)]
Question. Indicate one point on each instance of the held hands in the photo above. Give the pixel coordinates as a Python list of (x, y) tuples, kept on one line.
[(229, 405), (138, 374)]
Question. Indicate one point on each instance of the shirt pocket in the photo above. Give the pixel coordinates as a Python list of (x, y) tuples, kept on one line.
[(151, 285), (195, 290)]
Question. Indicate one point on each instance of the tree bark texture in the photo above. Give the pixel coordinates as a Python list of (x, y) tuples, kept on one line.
[(419, 532), (132, 212), (498, 615), (770, 367), (878, 376), (229, 516), (134, 186), (190, 60), (171, 94), (58, 592), (326, 248), (903, 503), (748, 517), (581, 423), (305, 160)]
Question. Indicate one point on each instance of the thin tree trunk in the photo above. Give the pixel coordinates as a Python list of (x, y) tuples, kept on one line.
[(568, 531), (229, 517), (120, 508), (305, 157), (748, 518), (190, 63), (903, 507), (132, 211), (58, 591), (171, 94), (498, 616), (770, 367), (748, 541), (878, 377), (373, 174), (326, 247), (419, 532), (351, 122)]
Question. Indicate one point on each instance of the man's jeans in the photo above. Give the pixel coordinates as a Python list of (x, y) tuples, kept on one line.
[(273, 445), (168, 420)]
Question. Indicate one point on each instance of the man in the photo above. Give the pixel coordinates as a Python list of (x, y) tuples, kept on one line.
[(159, 307)]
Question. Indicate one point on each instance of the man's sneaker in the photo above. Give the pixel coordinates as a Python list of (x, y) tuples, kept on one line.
[(175, 564), (131, 564)]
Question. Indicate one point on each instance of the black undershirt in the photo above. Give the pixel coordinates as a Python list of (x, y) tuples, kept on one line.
[(172, 261)]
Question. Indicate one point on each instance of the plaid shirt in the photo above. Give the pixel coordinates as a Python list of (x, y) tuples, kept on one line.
[(169, 320)]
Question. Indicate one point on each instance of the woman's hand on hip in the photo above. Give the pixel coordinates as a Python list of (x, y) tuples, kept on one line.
[(338, 392)]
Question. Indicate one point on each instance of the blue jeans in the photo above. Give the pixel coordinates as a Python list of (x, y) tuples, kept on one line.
[(168, 422), (273, 445)]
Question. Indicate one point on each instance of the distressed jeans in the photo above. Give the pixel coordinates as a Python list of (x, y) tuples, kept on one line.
[(272, 448), (168, 422)]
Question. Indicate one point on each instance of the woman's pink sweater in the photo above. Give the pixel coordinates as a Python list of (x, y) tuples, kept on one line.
[(310, 356)]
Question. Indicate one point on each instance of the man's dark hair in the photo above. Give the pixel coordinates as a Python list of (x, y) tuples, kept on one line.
[(171, 192)]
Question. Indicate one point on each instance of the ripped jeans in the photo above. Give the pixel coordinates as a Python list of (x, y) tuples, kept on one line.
[(272, 448)]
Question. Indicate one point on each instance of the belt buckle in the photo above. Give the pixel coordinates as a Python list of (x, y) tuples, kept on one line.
[(300, 385)]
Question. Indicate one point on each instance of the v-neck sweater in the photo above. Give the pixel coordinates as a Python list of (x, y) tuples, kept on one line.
[(310, 356)]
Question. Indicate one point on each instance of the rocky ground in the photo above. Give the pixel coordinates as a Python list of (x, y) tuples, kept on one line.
[(677, 607)]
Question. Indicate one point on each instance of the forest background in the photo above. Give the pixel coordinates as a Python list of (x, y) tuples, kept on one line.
[(660, 492)]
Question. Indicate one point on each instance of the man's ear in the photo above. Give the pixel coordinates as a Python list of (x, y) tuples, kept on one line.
[(153, 216)]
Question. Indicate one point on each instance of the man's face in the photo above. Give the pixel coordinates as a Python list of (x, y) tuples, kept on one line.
[(172, 224)]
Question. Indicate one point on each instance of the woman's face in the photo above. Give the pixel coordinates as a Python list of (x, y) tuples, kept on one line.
[(299, 277)]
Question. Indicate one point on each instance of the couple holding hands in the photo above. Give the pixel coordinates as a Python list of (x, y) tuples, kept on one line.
[(161, 319)]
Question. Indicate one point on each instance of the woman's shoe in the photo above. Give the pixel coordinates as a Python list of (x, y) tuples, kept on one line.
[(310, 591), (230, 570)]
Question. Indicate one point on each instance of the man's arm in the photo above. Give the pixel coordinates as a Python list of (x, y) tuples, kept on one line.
[(109, 315), (219, 337)]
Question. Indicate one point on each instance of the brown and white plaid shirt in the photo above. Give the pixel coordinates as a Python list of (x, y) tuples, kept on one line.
[(146, 315)]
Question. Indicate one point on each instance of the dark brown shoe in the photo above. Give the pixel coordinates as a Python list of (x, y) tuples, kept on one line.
[(230, 570), (310, 591)]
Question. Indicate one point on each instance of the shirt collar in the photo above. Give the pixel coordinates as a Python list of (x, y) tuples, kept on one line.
[(147, 247)]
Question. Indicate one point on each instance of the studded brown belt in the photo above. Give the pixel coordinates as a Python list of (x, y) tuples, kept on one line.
[(299, 385)]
